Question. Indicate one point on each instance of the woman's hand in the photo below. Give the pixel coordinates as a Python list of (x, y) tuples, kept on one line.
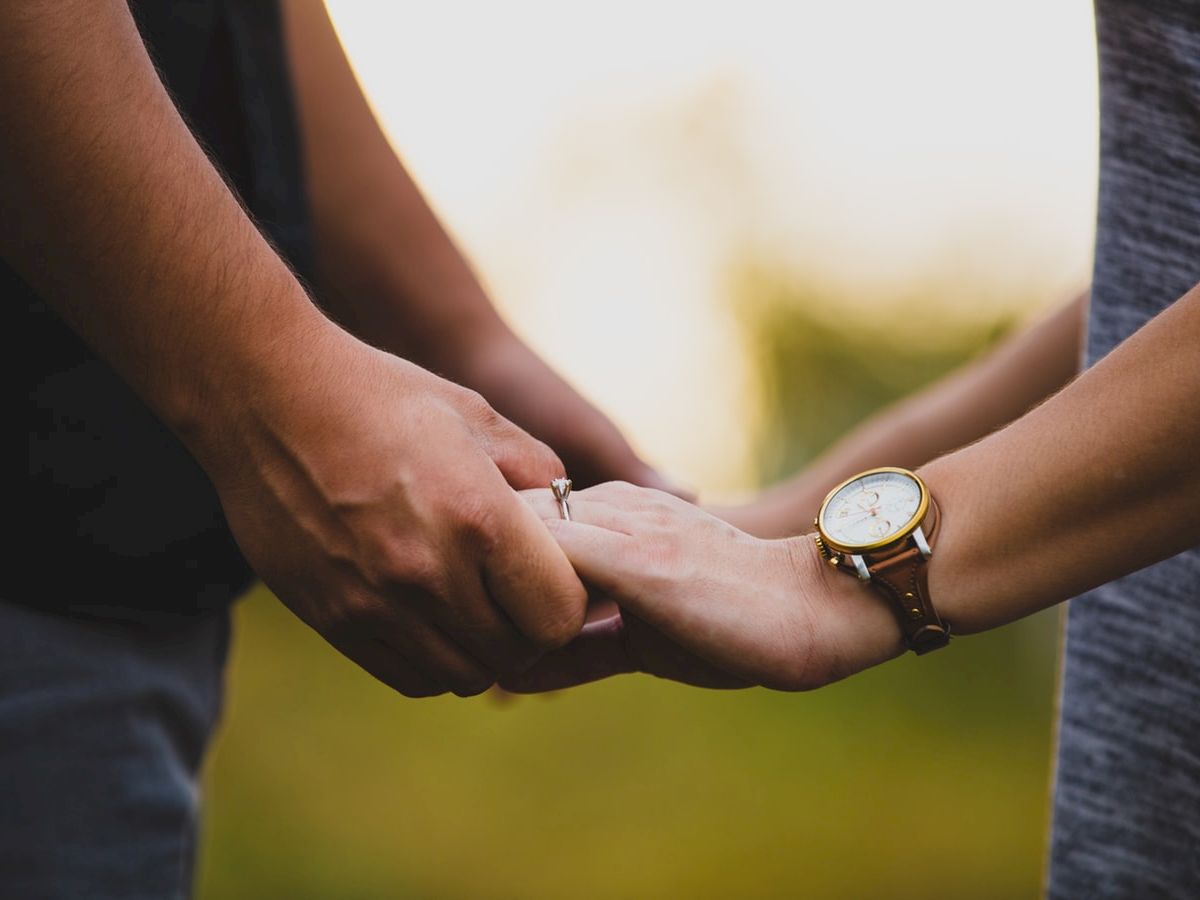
[(700, 598)]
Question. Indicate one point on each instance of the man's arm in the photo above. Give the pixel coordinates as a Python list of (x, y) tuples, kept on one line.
[(368, 493), (392, 274), (962, 407)]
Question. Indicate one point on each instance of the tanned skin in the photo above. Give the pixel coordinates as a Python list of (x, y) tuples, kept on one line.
[(375, 498)]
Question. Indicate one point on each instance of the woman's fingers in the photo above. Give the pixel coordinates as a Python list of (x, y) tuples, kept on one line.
[(595, 506), (601, 556), (629, 543), (637, 572), (701, 601), (700, 586)]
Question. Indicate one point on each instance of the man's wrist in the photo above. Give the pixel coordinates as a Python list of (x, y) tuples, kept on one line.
[(273, 362)]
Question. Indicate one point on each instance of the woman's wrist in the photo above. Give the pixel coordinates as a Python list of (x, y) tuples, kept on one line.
[(960, 595), (852, 627)]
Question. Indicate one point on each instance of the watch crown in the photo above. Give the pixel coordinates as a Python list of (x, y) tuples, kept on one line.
[(828, 555)]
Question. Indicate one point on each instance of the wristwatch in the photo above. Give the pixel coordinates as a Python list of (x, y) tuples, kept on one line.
[(880, 526)]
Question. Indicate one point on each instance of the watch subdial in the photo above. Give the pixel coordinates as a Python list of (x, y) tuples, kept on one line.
[(867, 499), (879, 528)]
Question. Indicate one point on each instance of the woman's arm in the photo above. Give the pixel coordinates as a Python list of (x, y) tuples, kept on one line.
[(962, 407), (1100, 480)]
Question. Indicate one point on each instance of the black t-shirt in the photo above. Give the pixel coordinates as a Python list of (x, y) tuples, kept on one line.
[(117, 520)]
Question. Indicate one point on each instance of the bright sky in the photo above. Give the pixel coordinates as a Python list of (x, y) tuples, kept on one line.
[(603, 163)]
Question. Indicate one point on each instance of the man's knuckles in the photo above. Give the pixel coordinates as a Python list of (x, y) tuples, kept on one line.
[(397, 565), (345, 616), (475, 516)]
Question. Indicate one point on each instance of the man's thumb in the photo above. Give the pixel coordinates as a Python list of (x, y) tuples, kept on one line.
[(523, 460)]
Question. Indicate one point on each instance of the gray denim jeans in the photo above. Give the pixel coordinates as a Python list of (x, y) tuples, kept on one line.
[(103, 727)]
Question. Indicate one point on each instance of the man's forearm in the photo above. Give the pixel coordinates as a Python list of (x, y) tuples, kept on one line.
[(387, 267), (113, 212), (389, 271), (962, 407)]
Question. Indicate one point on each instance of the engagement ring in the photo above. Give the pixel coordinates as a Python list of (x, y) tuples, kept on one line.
[(561, 489)]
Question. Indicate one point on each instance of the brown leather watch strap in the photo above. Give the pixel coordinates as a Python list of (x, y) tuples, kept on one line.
[(903, 578)]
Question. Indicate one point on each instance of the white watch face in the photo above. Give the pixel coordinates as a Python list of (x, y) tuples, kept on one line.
[(872, 510)]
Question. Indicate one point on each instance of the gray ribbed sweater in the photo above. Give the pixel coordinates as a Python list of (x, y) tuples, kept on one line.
[(1127, 791)]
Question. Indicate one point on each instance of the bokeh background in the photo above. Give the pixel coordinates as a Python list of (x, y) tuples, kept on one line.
[(740, 228)]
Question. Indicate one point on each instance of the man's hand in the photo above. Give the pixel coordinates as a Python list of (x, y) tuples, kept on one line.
[(374, 498)]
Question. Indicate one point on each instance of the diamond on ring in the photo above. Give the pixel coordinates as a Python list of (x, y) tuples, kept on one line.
[(561, 489)]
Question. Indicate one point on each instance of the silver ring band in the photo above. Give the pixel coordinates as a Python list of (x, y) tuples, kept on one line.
[(561, 489)]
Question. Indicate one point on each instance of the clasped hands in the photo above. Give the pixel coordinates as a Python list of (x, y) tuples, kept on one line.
[(411, 525), (679, 593)]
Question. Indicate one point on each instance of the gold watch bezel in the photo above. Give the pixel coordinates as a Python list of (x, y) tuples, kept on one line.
[(909, 527)]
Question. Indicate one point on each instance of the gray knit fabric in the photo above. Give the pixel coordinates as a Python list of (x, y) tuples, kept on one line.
[(1126, 819)]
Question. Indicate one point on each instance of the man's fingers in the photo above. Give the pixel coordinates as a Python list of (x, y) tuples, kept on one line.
[(615, 645), (598, 652), (387, 665), (523, 460), (527, 575), (436, 656), (481, 627)]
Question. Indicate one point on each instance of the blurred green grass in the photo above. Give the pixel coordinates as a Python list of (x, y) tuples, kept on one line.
[(923, 778)]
